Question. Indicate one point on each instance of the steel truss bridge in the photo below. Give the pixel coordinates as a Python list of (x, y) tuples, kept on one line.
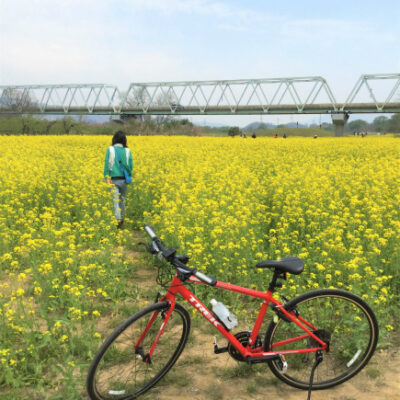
[(379, 93)]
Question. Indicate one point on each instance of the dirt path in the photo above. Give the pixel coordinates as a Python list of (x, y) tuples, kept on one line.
[(200, 374)]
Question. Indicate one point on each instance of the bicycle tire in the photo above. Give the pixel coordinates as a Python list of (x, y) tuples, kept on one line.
[(342, 318), (119, 372)]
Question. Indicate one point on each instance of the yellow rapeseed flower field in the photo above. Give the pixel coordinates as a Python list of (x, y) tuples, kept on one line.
[(228, 203)]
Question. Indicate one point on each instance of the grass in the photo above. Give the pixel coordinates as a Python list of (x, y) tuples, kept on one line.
[(214, 392), (241, 370), (173, 377), (373, 373), (252, 388), (191, 360)]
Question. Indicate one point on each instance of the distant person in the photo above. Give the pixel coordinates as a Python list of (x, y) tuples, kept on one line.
[(276, 136), (253, 136), (284, 135), (118, 159)]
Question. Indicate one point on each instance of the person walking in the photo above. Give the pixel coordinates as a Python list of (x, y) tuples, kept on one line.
[(118, 163)]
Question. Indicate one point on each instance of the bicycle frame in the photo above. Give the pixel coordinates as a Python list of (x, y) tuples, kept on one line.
[(249, 353)]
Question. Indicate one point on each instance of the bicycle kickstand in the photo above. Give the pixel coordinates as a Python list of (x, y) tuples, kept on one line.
[(318, 360)]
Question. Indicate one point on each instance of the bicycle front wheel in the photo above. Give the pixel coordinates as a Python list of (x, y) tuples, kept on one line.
[(340, 318), (123, 369)]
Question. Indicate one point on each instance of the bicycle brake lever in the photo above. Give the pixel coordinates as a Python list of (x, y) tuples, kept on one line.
[(150, 248)]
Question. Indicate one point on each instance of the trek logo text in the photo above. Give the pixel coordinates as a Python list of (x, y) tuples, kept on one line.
[(204, 311)]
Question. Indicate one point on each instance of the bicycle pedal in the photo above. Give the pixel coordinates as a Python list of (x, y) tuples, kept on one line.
[(282, 364), (215, 344), (218, 350)]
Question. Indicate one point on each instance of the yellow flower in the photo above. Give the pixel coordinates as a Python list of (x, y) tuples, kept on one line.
[(63, 338), (389, 328), (37, 290), (56, 326), (45, 268)]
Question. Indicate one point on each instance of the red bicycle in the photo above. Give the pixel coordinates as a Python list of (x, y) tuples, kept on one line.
[(331, 328)]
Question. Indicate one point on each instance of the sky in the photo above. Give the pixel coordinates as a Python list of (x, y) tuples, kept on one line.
[(122, 41)]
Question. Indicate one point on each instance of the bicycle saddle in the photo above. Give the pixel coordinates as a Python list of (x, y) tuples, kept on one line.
[(293, 265)]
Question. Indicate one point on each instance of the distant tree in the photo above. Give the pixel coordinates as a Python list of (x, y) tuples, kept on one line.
[(170, 102), (357, 125), (139, 97), (10, 125), (380, 124), (393, 125), (28, 125), (48, 125), (16, 100), (186, 121), (67, 124), (233, 131)]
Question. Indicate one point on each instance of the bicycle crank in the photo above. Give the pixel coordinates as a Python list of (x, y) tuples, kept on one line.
[(243, 338)]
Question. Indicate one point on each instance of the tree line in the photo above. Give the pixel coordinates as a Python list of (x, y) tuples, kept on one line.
[(381, 124), (38, 125)]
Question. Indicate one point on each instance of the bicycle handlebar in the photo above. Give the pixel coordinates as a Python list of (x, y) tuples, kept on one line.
[(169, 255)]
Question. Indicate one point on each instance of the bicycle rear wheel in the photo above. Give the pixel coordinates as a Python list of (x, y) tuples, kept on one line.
[(121, 369), (341, 318)]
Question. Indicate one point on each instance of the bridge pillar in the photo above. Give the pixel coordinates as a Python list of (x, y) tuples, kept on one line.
[(338, 121)]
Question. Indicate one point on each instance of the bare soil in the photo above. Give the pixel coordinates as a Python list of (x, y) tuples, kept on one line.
[(200, 374)]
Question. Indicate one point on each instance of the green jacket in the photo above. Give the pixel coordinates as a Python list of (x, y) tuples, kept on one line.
[(111, 164)]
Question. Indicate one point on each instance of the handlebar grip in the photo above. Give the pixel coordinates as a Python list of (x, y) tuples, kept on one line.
[(158, 248), (149, 230), (205, 278)]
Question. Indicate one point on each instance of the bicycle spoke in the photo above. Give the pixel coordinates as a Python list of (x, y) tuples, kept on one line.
[(347, 323), (119, 371)]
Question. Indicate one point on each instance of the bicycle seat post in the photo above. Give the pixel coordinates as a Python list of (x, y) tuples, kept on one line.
[(274, 282)]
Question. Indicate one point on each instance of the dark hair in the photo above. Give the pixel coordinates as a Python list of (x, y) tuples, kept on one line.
[(119, 137)]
